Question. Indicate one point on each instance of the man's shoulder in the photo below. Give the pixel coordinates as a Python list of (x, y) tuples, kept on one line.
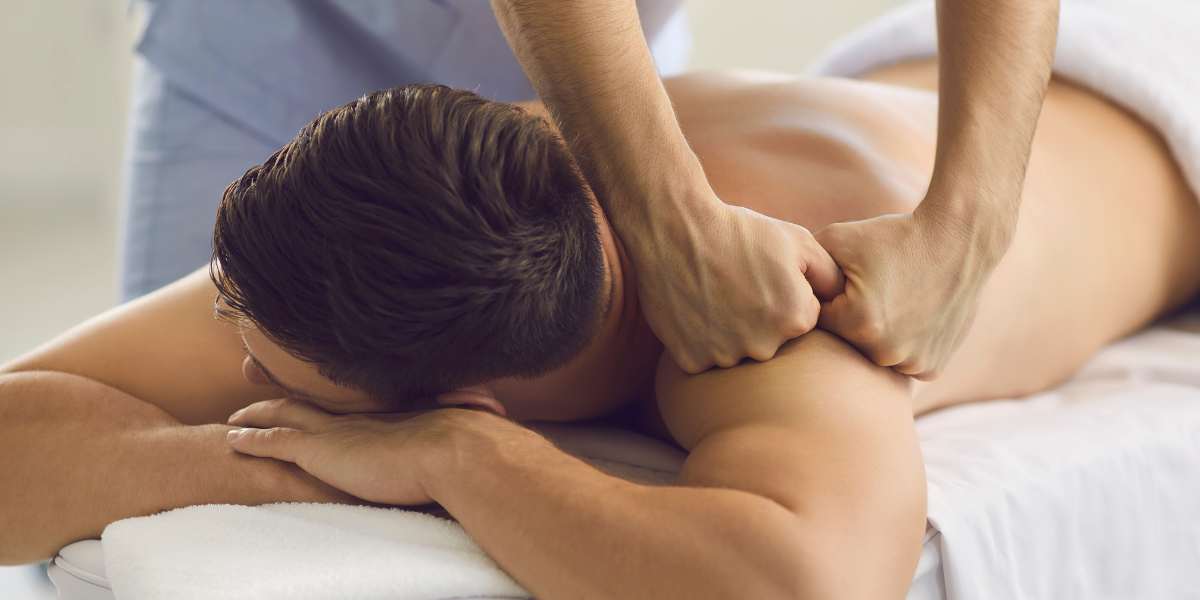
[(165, 349), (800, 383)]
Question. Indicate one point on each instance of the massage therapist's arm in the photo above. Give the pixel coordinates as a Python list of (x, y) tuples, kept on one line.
[(913, 281), (727, 282), (804, 481)]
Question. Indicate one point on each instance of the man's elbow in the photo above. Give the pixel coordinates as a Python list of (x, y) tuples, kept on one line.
[(867, 554), (873, 556)]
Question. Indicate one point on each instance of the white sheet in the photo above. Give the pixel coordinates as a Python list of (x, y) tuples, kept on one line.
[(1087, 491), (1140, 54)]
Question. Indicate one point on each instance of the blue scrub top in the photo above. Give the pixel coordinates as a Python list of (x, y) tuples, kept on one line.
[(273, 65)]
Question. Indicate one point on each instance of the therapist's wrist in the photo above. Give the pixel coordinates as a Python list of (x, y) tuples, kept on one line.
[(978, 179), (982, 217), (666, 210)]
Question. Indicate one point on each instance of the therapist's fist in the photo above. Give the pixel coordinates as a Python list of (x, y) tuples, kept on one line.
[(911, 290), (729, 283)]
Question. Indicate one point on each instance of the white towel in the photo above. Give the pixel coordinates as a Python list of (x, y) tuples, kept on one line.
[(1141, 54), (338, 552), (298, 552)]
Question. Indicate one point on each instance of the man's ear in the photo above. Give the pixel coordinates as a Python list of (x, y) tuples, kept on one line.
[(476, 396)]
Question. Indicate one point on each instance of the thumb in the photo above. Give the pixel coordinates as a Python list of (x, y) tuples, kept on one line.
[(833, 314), (822, 271)]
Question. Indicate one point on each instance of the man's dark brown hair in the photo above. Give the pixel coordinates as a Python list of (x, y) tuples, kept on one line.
[(413, 241)]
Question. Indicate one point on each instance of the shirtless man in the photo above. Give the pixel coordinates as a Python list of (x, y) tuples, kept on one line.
[(804, 477)]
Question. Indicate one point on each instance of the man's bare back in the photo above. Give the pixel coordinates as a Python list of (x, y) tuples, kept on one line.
[(1105, 242), (1107, 235)]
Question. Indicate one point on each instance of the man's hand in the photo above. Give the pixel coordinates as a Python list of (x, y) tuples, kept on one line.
[(911, 291), (382, 458), (731, 283)]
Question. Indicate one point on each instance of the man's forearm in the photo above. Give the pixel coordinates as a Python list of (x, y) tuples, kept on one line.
[(76, 455), (995, 64), (566, 530), (590, 64)]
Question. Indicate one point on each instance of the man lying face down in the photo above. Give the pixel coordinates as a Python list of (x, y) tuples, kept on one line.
[(424, 247), (422, 251)]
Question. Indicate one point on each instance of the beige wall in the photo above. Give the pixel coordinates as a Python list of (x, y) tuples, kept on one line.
[(778, 35), (62, 113), (66, 67)]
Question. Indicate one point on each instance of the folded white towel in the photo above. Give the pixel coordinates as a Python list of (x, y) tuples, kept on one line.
[(298, 551), (1143, 55), (338, 552)]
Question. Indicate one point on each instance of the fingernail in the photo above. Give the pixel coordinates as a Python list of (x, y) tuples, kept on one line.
[(235, 416), (234, 434)]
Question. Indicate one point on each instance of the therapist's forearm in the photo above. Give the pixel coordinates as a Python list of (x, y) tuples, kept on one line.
[(995, 63), (76, 455), (591, 66)]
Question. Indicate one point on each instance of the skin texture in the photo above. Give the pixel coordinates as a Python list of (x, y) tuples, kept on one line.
[(736, 284), (803, 475)]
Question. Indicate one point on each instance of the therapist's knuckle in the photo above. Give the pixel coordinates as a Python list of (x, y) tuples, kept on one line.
[(726, 359), (689, 363), (885, 355), (800, 321), (807, 240), (763, 352), (910, 367), (830, 236), (871, 330)]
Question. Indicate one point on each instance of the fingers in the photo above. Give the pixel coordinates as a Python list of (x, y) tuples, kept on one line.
[(833, 315), (865, 332), (281, 412), (694, 363), (917, 369), (822, 271), (280, 443), (689, 362), (758, 340)]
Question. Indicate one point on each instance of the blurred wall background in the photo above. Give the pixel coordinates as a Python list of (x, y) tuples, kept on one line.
[(66, 69)]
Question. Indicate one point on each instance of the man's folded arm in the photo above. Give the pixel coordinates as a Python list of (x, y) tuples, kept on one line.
[(164, 348), (804, 480), (76, 455)]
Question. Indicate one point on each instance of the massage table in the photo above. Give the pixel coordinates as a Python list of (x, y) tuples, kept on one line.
[(1085, 491)]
